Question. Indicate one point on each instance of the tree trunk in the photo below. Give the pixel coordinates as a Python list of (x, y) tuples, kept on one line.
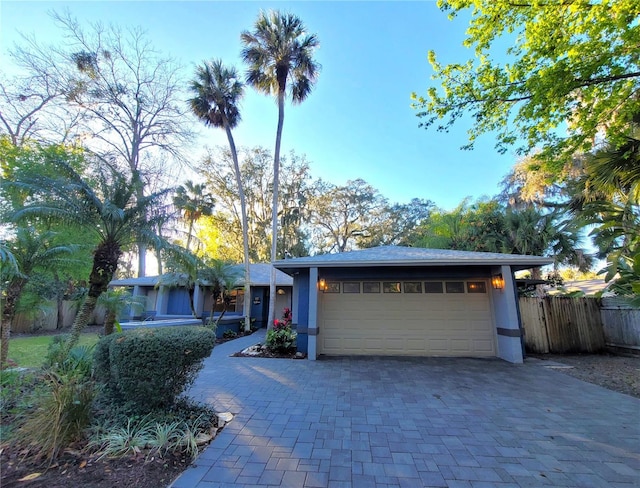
[(274, 211), (5, 336), (14, 290), (246, 307), (109, 322), (105, 263)]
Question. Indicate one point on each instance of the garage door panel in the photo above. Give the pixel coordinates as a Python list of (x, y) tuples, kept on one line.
[(415, 324)]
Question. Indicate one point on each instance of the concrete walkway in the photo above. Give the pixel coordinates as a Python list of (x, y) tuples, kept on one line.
[(393, 422)]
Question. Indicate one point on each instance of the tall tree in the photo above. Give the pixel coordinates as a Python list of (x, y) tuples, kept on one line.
[(279, 54), (395, 225), (217, 92), (195, 201), (32, 251), (571, 72), (343, 214), (104, 203), (222, 233), (127, 95)]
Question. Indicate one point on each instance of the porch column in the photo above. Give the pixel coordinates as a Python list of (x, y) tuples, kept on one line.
[(132, 312), (312, 352), (507, 319), (163, 300), (198, 300)]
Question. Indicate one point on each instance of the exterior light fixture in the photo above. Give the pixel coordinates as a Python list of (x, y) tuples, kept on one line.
[(281, 291), (322, 284), (497, 282)]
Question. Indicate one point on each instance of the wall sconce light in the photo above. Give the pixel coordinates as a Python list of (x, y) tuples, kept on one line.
[(322, 284), (497, 282), (281, 291)]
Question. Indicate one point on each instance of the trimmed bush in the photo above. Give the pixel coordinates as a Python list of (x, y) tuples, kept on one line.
[(149, 368)]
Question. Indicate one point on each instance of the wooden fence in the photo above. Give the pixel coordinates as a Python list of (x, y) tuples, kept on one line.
[(562, 324), (621, 324)]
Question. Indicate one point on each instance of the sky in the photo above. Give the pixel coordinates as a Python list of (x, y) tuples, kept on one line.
[(357, 122)]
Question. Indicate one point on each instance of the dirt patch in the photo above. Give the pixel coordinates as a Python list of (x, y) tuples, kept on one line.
[(77, 470), (617, 373)]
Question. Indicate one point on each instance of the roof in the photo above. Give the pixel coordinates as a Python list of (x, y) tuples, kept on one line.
[(411, 256), (259, 273)]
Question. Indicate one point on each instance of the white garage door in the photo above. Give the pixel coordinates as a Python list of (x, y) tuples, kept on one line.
[(409, 318)]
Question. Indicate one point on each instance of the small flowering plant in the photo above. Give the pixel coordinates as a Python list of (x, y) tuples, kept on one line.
[(281, 338)]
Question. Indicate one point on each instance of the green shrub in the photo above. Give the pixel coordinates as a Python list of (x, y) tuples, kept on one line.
[(281, 338), (229, 334), (149, 368)]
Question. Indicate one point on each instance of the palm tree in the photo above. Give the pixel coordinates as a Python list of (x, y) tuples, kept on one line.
[(278, 51), (217, 93), (28, 252), (529, 231), (195, 202), (104, 202), (184, 270), (222, 277), (114, 302)]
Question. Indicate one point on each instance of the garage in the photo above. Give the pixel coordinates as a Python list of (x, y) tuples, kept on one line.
[(406, 318), (405, 301)]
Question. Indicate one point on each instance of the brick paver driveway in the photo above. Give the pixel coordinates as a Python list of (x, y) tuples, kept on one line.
[(382, 422)]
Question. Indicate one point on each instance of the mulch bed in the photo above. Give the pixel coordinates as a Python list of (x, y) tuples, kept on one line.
[(76, 470)]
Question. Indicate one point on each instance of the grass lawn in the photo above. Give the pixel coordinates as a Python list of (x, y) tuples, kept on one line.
[(29, 352)]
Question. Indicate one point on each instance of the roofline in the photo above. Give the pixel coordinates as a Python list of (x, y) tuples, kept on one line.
[(530, 262)]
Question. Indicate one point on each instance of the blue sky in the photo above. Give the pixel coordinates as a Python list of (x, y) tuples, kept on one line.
[(357, 123)]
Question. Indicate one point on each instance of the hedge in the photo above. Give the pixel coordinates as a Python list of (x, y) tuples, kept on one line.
[(149, 368)]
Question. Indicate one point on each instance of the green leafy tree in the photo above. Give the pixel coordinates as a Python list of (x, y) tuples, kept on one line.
[(105, 203), (222, 233), (343, 214), (279, 54), (218, 91), (571, 73), (26, 254)]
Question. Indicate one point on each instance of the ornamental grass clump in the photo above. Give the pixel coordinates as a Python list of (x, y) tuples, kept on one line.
[(281, 339)]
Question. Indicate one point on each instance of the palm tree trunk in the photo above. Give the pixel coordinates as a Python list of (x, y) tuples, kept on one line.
[(105, 263), (14, 290), (109, 323), (246, 307), (189, 234), (82, 320), (274, 211), (5, 336)]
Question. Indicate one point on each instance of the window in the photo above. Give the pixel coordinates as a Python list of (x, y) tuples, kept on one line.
[(332, 287), (350, 287), (455, 286), (412, 287), (476, 287), (371, 287), (391, 287), (433, 287)]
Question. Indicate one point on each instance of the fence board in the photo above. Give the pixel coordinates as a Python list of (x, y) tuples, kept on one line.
[(621, 323), (562, 324), (534, 325)]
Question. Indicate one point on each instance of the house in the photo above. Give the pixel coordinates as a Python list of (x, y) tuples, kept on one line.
[(171, 303), (408, 301)]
